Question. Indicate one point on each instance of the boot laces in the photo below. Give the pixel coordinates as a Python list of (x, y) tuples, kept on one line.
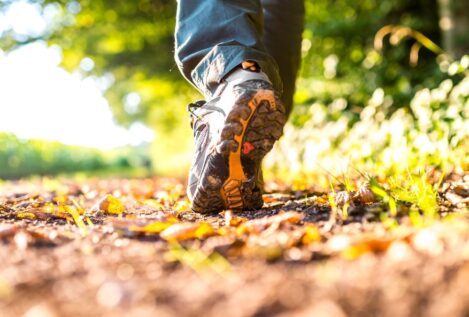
[(191, 109)]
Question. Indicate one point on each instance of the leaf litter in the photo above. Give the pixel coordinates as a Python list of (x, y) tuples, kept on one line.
[(147, 224)]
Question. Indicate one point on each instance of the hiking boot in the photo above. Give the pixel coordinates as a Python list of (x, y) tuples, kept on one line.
[(233, 132)]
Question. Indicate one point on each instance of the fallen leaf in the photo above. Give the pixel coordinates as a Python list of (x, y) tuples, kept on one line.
[(365, 195), (187, 231), (358, 249), (343, 197), (152, 228), (311, 234), (276, 197), (112, 205), (76, 215), (257, 225), (182, 206), (25, 215), (7, 231)]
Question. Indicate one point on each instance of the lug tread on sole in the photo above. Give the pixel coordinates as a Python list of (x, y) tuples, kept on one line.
[(262, 131)]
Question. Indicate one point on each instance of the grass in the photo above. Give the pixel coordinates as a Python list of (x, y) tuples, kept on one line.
[(408, 152), (198, 260)]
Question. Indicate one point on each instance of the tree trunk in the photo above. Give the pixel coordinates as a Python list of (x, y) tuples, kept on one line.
[(454, 25)]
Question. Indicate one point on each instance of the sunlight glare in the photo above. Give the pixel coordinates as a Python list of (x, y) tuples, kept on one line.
[(40, 100)]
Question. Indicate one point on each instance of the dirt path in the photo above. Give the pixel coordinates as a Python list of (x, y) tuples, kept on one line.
[(67, 248)]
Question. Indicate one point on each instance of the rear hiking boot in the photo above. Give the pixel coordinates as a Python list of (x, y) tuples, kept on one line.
[(233, 132)]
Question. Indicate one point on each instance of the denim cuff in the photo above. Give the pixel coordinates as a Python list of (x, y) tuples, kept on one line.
[(223, 58)]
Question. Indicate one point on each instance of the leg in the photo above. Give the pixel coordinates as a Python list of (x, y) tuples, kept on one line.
[(216, 43), (215, 36), (283, 28)]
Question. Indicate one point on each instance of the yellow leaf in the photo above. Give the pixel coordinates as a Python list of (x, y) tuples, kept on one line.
[(204, 230), (181, 206), (224, 231), (154, 203), (88, 221), (61, 199), (153, 227), (28, 215), (75, 213), (311, 234), (369, 245), (112, 205), (187, 231), (49, 208)]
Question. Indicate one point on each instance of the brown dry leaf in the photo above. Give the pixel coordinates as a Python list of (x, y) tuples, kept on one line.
[(221, 244), (48, 211), (153, 227), (23, 237), (43, 236), (131, 225), (276, 197), (365, 195), (343, 197), (4, 208), (236, 221), (271, 244), (22, 197), (461, 189), (187, 231), (321, 200), (112, 205), (7, 231), (257, 225), (36, 213)]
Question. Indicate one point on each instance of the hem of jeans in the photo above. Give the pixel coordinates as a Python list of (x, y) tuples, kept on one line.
[(222, 60)]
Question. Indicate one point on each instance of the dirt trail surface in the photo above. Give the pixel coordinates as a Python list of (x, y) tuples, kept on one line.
[(122, 247)]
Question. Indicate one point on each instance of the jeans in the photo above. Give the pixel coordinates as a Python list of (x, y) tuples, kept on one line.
[(215, 36)]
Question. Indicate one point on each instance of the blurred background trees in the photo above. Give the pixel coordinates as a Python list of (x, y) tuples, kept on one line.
[(454, 22), (21, 158), (130, 43)]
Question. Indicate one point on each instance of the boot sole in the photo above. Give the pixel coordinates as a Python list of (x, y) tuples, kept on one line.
[(230, 178)]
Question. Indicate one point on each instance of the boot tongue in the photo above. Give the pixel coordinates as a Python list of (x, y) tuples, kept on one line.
[(245, 71), (241, 75)]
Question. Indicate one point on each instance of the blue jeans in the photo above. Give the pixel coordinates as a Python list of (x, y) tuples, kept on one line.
[(215, 36)]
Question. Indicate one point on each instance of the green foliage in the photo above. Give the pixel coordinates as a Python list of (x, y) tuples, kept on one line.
[(20, 158), (131, 42), (344, 79), (341, 61), (418, 191), (433, 132), (415, 190)]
